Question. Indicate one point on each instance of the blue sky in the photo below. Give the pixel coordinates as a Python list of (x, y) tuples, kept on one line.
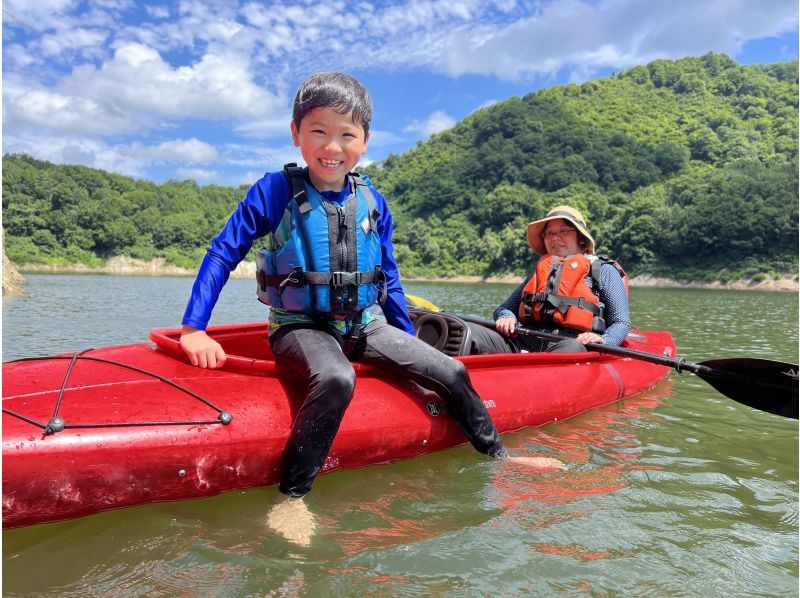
[(202, 89)]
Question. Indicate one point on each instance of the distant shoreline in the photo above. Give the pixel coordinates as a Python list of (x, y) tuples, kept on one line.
[(126, 266)]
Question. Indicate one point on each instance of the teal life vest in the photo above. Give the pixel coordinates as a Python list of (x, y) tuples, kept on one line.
[(323, 258)]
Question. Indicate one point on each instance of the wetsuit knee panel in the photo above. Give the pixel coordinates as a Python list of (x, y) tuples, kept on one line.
[(336, 380)]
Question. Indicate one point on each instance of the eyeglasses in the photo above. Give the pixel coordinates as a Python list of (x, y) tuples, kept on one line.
[(560, 233)]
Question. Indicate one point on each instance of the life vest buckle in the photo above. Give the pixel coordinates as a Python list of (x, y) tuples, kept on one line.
[(341, 279)]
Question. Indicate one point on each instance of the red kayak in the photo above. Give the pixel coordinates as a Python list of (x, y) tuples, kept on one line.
[(122, 426)]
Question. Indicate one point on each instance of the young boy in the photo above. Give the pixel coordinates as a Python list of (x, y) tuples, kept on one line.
[(319, 221)]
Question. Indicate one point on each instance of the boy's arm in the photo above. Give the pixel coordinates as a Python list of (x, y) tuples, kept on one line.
[(253, 218), (263, 204), (395, 308)]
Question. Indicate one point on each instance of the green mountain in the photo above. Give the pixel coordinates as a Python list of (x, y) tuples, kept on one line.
[(64, 214), (678, 165), (685, 168)]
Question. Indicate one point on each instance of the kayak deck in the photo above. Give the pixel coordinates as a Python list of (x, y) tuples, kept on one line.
[(142, 425)]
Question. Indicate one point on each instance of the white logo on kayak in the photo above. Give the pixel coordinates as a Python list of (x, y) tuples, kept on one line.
[(489, 403), (792, 374), (435, 409)]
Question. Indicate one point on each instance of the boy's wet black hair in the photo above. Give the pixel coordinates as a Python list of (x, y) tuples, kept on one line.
[(338, 91)]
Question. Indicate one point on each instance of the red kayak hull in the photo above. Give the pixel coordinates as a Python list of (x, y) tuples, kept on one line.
[(96, 464)]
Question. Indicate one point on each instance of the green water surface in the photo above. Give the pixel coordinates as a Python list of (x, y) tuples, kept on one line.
[(676, 492)]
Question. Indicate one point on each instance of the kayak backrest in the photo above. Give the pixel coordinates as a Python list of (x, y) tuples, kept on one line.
[(444, 332)]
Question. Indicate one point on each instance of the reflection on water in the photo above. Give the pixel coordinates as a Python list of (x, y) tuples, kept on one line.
[(678, 491)]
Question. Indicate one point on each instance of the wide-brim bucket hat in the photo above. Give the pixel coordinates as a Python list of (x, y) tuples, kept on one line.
[(536, 228)]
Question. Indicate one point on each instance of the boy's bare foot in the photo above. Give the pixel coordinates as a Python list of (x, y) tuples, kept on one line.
[(538, 462), (291, 518)]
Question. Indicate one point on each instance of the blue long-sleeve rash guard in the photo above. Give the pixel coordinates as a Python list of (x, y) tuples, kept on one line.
[(259, 213)]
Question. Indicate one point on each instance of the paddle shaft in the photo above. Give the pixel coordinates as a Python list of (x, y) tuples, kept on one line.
[(679, 364)]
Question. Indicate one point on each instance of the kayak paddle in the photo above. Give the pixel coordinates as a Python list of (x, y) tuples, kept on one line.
[(770, 386)]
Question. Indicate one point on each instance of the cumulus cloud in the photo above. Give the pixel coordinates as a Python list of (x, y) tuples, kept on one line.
[(198, 174), (380, 138), (138, 79), (437, 121), (36, 108), (261, 158), (18, 57), (37, 16), (157, 12), (135, 158), (75, 40), (77, 150), (613, 33), (265, 128), (192, 151)]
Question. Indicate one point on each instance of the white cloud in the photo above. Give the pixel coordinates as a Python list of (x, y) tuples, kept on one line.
[(378, 138), (136, 90), (192, 151), (77, 150), (37, 16), (115, 5), (139, 82), (613, 33), (75, 40), (135, 158), (157, 12), (264, 157), (249, 177), (198, 174), (265, 128), (436, 122), (37, 108), (581, 74), (18, 57)]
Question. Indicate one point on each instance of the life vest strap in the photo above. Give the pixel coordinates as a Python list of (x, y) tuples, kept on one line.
[(371, 203), (297, 181), (563, 302), (299, 278)]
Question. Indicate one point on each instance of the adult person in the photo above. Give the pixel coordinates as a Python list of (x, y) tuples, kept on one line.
[(573, 293)]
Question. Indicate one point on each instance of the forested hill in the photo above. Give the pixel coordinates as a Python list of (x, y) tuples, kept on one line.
[(685, 168), (681, 167)]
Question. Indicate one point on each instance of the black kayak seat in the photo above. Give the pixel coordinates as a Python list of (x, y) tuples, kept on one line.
[(444, 332)]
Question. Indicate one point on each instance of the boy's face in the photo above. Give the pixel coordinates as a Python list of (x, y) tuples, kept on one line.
[(331, 144)]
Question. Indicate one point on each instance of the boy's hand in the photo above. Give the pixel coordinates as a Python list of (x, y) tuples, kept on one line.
[(203, 351)]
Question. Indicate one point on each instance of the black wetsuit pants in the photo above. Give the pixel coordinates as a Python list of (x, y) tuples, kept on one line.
[(484, 341), (316, 354)]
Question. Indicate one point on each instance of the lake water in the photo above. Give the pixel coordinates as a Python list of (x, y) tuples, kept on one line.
[(679, 491)]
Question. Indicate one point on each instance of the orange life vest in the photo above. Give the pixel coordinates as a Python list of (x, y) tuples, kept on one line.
[(557, 293)]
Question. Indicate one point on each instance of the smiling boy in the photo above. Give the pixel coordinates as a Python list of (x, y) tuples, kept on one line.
[(329, 261)]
